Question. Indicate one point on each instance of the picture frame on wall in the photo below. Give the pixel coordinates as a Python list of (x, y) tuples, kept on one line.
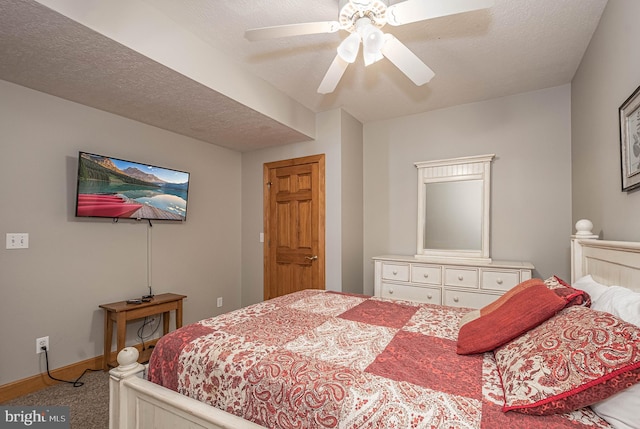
[(629, 113)]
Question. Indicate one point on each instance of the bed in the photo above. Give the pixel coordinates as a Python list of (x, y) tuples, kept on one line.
[(323, 359)]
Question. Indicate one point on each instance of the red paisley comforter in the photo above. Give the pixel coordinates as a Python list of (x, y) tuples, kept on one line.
[(316, 359)]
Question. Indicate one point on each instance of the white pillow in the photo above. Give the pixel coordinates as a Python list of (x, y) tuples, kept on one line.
[(621, 302), (621, 409), (590, 286)]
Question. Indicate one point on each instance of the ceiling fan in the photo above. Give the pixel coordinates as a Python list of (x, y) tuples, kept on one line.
[(364, 19)]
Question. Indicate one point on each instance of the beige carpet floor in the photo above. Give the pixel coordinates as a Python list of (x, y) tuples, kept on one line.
[(88, 404)]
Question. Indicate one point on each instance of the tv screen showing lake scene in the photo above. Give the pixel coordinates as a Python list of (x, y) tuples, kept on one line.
[(115, 188)]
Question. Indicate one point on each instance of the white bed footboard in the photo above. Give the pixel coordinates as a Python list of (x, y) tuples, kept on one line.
[(136, 403)]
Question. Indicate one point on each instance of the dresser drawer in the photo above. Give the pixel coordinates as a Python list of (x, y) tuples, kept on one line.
[(426, 274), (411, 293), (500, 280), (397, 272), (461, 277), (463, 298), (450, 282)]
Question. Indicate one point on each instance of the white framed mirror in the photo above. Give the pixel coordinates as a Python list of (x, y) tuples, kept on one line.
[(454, 208)]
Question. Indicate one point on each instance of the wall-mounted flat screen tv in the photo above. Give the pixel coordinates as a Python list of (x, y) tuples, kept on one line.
[(114, 188)]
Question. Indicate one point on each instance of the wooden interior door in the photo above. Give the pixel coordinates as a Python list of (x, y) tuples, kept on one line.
[(294, 223)]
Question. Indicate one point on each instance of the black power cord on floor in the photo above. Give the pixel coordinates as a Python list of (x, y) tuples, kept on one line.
[(75, 383), (141, 334)]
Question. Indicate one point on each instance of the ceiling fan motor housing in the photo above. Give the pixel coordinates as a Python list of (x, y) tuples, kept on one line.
[(353, 10)]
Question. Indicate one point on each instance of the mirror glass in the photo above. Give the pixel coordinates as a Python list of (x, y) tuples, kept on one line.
[(454, 208), (453, 215)]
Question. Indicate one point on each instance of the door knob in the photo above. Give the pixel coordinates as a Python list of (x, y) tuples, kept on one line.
[(311, 258)]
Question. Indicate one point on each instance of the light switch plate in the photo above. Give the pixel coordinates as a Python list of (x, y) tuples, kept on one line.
[(17, 240)]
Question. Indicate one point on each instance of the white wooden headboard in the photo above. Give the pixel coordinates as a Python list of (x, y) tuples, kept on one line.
[(608, 262)]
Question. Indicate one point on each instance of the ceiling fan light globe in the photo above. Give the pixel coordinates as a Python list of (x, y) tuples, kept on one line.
[(372, 39), (348, 49), (386, 39), (371, 57)]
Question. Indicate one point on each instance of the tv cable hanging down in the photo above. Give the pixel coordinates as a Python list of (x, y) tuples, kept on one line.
[(149, 263)]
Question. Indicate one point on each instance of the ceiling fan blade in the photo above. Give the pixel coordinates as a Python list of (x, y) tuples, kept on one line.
[(292, 30), (406, 61), (418, 10), (333, 76)]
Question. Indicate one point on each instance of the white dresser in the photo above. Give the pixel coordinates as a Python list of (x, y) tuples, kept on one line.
[(459, 284)]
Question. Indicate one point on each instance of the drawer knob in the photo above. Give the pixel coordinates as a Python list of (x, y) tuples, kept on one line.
[(390, 291), (429, 296), (460, 277), (456, 299), (394, 272), (499, 280), (426, 275)]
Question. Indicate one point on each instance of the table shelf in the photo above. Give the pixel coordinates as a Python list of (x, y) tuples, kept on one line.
[(119, 313)]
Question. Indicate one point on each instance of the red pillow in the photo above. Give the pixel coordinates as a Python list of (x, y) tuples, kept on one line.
[(523, 307), (572, 295), (577, 358)]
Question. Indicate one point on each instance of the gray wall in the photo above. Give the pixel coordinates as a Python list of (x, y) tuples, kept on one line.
[(608, 74), (338, 136), (54, 287), (352, 204), (531, 189)]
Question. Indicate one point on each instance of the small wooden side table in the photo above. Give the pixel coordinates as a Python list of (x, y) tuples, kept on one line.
[(121, 312)]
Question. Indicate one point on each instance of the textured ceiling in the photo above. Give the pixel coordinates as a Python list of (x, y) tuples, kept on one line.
[(516, 46), (46, 51)]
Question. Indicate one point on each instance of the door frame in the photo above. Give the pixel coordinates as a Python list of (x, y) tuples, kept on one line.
[(267, 167)]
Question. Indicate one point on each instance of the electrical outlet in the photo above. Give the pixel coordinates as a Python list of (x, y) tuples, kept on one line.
[(42, 342), (220, 302)]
